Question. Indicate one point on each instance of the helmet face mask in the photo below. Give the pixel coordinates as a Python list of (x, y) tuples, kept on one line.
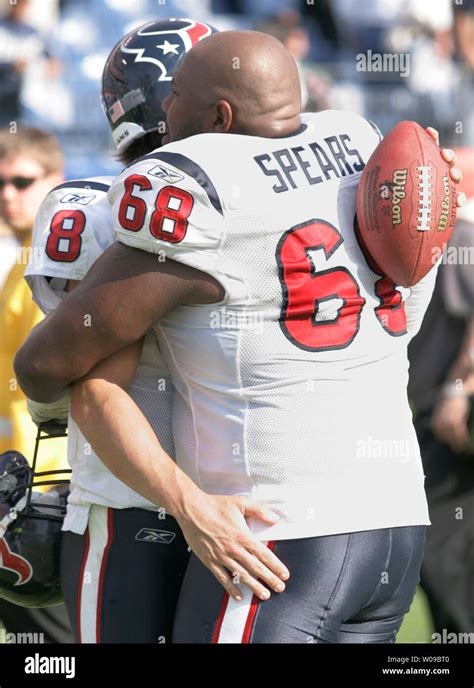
[(13, 482), (30, 527), (138, 72)]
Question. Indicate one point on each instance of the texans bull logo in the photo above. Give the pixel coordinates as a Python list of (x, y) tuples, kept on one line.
[(14, 562), (175, 41)]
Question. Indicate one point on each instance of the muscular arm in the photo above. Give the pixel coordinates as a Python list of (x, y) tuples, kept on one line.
[(213, 526), (124, 293), (109, 418)]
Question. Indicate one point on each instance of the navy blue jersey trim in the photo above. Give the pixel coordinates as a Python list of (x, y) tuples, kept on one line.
[(84, 184), (189, 167), (376, 129)]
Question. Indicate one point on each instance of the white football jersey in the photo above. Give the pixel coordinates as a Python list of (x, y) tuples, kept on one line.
[(292, 390), (73, 227)]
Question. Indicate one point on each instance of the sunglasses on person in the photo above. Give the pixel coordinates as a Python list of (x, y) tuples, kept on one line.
[(20, 183)]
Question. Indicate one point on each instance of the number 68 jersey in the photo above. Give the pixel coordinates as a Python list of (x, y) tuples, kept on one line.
[(73, 228), (292, 390)]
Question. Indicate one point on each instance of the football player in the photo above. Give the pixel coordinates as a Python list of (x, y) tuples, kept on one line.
[(287, 351), (31, 164), (113, 538)]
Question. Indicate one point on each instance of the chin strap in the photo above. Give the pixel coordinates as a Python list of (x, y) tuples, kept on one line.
[(12, 515)]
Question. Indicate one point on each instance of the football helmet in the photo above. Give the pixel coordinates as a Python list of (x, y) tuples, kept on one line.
[(138, 72), (30, 527)]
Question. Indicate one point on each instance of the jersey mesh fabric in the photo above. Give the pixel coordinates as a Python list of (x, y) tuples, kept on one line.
[(321, 432)]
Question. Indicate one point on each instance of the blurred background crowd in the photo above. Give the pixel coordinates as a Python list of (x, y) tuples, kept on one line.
[(52, 53)]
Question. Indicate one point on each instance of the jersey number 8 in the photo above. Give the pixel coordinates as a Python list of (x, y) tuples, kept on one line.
[(64, 241)]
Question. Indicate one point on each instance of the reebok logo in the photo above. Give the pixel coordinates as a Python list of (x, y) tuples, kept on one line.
[(167, 175), (163, 537), (81, 199)]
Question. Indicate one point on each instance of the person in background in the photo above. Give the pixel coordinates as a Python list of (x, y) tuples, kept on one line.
[(20, 44), (464, 32), (290, 30), (31, 164), (464, 56), (442, 392), (257, 8), (8, 251)]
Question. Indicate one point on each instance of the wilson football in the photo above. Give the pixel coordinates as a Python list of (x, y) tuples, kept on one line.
[(406, 204)]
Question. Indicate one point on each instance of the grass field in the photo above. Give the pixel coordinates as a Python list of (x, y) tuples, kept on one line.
[(417, 626)]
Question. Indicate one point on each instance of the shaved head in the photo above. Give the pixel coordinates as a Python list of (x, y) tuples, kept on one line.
[(241, 82)]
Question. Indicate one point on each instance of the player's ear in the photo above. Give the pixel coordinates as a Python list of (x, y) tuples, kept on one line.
[(223, 117)]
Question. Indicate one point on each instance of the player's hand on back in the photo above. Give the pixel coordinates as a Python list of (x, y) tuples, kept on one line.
[(455, 172), (216, 531)]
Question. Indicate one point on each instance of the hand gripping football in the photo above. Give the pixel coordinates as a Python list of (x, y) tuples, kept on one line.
[(406, 204)]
